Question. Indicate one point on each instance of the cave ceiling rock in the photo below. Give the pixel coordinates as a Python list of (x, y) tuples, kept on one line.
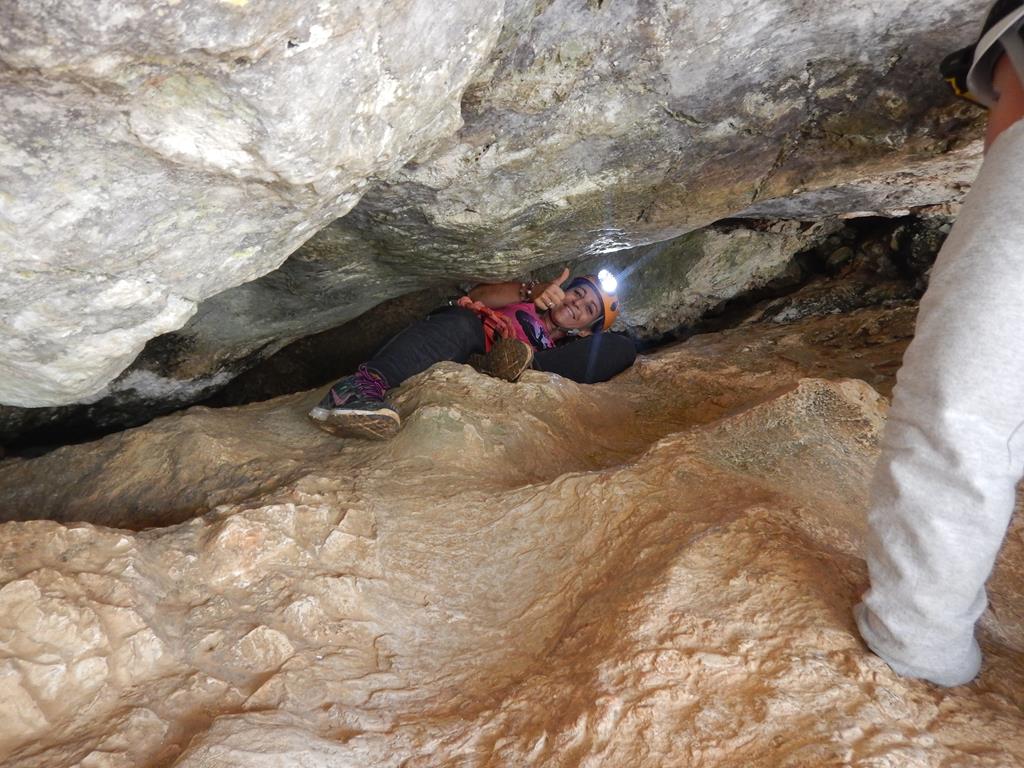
[(153, 165), (599, 127), (154, 154), (604, 125), (672, 285)]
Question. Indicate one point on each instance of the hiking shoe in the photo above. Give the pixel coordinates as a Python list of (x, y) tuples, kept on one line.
[(355, 407), (507, 359)]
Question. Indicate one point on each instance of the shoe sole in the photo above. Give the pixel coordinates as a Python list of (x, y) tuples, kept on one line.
[(507, 360), (363, 425)]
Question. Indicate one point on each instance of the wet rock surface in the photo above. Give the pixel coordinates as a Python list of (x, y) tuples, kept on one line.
[(654, 571)]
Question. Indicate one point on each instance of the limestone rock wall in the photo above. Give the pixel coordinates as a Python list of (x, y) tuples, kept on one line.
[(654, 572), (155, 154), (601, 125)]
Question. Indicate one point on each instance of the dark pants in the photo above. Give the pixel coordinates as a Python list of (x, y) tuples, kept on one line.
[(455, 333), (448, 333), (590, 359)]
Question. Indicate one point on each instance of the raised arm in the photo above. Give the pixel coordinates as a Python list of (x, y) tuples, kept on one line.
[(496, 295), (544, 295)]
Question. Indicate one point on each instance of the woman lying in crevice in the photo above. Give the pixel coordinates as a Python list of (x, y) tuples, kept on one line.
[(506, 328)]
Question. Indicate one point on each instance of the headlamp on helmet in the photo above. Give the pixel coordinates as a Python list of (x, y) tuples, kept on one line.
[(605, 285), (607, 281)]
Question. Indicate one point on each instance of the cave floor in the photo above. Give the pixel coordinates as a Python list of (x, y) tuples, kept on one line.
[(656, 571)]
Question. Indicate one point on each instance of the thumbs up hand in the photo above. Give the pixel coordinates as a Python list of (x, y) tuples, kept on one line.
[(552, 295)]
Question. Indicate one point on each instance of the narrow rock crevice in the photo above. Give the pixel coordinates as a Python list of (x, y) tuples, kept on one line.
[(862, 262)]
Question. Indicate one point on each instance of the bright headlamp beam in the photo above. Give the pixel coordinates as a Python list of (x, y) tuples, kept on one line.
[(607, 280)]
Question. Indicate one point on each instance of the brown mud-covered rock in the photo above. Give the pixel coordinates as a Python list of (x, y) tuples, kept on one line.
[(656, 571)]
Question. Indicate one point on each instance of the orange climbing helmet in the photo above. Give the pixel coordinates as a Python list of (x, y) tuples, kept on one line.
[(605, 284)]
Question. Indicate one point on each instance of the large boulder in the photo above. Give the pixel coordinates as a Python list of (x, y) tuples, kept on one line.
[(154, 154), (600, 127), (160, 154)]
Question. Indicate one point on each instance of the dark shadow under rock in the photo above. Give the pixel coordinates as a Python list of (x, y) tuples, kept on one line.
[(325, 357), (146, 391)]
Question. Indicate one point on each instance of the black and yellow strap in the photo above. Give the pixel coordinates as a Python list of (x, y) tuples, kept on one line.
[(954, 69)]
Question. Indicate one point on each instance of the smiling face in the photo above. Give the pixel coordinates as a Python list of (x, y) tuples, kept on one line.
[(580, 310)]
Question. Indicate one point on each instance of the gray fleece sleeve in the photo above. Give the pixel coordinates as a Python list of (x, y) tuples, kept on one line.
[(953, 447)]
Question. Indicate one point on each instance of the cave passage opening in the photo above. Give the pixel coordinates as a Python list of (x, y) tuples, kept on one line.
[(869, 262)]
